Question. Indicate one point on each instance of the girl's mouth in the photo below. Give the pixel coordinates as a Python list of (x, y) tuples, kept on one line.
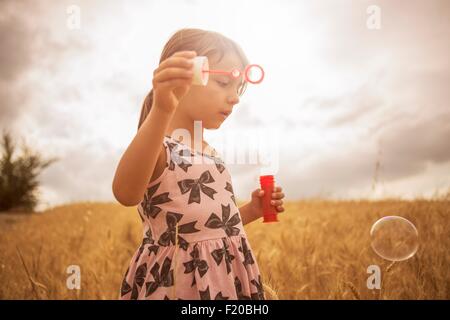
[(225, 115)]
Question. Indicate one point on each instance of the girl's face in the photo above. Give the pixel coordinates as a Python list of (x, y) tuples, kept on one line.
[(207, 103)]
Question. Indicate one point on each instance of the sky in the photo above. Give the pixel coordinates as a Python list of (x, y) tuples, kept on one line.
[(354, 103)]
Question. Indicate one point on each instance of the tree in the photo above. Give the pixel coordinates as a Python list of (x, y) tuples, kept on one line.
[(18, 177)]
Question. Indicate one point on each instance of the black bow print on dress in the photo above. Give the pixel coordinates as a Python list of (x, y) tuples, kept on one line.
[(163, 279), (168, 236), (227, 223), (176, 157), (259, 295), (139, 279), (195, 264), (148, 239), (223, 254), (195, 185), (238, 287), (150, 203), (248, 258), (229, 188), (220, 165), (125, 288), (205, 295)]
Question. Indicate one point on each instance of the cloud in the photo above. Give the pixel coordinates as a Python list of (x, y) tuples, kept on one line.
[(15, 58), (29, 43), (341, 96)]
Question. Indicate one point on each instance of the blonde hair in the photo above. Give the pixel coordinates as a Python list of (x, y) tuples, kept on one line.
[(205, 43)]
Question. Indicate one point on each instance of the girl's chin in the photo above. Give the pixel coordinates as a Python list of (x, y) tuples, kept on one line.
[(213, 124)]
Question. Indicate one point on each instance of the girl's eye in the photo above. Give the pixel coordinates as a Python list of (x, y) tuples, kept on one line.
[(222, 83)]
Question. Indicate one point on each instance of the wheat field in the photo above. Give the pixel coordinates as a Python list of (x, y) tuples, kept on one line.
[(320, 249)]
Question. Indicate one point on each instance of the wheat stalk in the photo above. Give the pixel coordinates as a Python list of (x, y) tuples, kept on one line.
[(34, 283), (273, 295), (353, 289), (389, 267), (37, 262), (384, 280)]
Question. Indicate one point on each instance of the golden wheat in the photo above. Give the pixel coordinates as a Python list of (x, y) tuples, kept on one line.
[(319, 250)]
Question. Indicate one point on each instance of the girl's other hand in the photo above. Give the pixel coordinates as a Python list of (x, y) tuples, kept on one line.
[(172, 80), (276, 200)]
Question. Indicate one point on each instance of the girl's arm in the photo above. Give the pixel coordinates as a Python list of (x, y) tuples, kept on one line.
[(171, 81), (139, 160), (247, 214)]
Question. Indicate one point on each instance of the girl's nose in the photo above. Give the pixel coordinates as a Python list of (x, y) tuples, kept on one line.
[(233, 99)]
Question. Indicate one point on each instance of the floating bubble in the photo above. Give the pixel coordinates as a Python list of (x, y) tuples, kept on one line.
[(394, 238)]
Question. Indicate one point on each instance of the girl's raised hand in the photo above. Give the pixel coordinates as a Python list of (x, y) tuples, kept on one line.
[(172, 80)]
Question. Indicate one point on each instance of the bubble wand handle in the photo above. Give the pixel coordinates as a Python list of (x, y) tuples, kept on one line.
[(217, 71), (202, 71), (236, 73)]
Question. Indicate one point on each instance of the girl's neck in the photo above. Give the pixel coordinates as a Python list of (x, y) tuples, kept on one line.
[(183, 122)]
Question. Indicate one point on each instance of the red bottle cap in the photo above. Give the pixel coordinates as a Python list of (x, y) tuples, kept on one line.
[(268, 179)]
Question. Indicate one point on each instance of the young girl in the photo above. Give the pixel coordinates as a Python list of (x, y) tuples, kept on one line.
[(194, 245)]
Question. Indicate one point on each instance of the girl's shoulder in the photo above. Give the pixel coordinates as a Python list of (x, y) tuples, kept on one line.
[(175, 155)]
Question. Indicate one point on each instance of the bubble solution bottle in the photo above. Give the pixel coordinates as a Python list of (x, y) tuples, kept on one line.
[(267, 183)]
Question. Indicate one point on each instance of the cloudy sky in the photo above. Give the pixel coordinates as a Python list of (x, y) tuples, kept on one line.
[(343, 91)]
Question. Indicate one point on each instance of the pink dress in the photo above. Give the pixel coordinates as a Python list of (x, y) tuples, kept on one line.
[(194, 245)]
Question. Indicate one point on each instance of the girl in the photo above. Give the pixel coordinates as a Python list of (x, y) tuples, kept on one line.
[(194, 245)]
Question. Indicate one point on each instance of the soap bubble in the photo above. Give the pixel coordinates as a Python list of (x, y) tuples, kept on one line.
[(394, 238)]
